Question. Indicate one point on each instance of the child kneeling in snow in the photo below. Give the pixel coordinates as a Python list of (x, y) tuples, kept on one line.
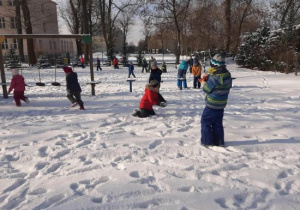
[(18, 84), (150, 98)]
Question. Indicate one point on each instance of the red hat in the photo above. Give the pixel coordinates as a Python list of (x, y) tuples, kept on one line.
[(67, 69)]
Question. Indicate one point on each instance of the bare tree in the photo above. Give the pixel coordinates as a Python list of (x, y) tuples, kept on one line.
[(125, 21), (72, 16), (19, 29), (108, 12), (28, 28), (174, 13), (227, 24)]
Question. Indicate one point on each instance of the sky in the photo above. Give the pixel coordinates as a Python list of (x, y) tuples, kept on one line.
[(134, 35)]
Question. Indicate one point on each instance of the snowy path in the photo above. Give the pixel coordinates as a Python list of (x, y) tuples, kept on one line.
[(56, 157)]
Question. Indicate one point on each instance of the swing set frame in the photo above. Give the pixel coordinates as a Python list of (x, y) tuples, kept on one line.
[(86, 38)]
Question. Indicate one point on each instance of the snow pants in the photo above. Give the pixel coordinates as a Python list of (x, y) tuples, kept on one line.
[(196, 82), (145, 113), (18, 96), (212, 131), (75, 96)]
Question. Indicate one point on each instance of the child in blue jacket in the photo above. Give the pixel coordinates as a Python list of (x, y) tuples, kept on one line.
[(130, 70)]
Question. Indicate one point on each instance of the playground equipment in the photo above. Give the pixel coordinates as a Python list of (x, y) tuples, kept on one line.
[(55, 83), (40, 83), (86, 38)]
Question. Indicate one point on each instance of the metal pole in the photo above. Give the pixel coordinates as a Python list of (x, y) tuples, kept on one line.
[(3, 79), (130, 85), (92, 69)]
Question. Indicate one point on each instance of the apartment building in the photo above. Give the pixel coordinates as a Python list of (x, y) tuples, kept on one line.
[(44, 21)]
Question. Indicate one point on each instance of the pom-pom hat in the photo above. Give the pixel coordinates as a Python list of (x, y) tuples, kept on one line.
[(217, 60)]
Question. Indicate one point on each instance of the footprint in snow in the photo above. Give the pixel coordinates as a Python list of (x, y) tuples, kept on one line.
[(154, 144), (42, 151)]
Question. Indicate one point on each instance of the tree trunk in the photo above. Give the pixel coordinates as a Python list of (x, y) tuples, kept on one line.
[(76, 25), (227, 24), (28, 28), (244, 15), (85, 27), (19, 30)]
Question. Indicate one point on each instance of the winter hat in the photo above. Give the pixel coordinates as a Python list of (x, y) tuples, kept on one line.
[(217, 60), (154, 83), (67, 69), (15, 72)]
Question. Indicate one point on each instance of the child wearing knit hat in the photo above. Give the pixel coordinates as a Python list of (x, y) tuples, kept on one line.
[(217, 87), (150, 98)]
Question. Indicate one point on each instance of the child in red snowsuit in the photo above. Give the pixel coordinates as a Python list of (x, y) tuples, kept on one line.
[(18, 85), (150, 98)]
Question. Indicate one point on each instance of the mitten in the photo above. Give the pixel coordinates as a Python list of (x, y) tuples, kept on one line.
[(162, 104)]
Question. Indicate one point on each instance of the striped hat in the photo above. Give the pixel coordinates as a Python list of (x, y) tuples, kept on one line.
[(217, 60)]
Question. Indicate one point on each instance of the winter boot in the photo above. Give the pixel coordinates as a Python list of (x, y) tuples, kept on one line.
[(74, 104), (82, 107)]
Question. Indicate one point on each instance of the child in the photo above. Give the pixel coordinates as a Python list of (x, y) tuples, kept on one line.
[(130, 69), (82, 62), (196, 71), (164, 67), (116, 63), (73, 88), (18, 84), (98, 64), (181, 77), (216, 85), (150, 98)]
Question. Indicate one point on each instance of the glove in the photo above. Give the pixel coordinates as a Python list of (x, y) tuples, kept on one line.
[(162, 104)]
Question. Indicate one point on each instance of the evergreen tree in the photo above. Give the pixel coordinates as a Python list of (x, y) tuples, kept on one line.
[(12, 59)]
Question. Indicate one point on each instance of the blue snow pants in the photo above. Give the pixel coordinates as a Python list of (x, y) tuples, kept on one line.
[(212, 131)]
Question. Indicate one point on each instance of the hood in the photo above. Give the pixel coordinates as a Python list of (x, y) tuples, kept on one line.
[(14, 72)]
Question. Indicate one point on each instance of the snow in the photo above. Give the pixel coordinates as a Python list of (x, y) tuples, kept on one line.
[(53, 156)]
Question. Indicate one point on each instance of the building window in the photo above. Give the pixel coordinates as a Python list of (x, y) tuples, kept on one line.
[(5, 45), (13, 21), (15, 44), (11, 3), (2, 22)]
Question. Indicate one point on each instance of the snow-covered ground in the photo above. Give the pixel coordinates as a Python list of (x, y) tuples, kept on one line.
[(56, 157)]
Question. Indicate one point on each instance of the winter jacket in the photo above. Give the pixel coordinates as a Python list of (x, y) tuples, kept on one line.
[(115, 61), (155, 74), (149, 99), (182, 69), (164, 68), (144, 62), (72, 82), (17, 83), (196, 70), (217, 87)]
